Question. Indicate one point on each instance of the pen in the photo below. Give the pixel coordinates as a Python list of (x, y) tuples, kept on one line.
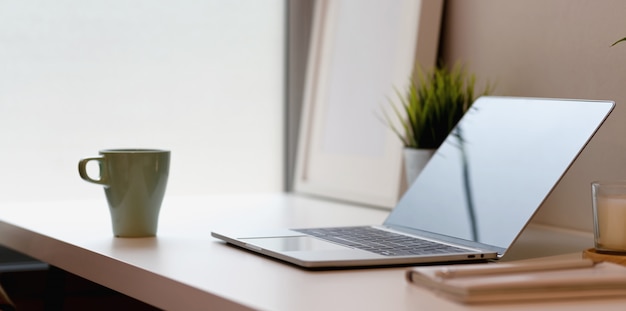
[(448, 273)]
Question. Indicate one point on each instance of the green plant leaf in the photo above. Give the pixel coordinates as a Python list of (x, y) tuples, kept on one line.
[(618, 41), (432, 104)]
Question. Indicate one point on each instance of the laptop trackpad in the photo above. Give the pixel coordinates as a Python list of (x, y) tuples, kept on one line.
[(292, 243)]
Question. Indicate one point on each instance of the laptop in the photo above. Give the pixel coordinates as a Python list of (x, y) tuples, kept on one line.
[(470, 202)]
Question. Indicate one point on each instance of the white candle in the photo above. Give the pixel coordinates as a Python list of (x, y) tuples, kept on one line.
[(611, 222)]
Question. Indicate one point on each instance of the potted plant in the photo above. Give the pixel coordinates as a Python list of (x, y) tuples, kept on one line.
[(428, 110)]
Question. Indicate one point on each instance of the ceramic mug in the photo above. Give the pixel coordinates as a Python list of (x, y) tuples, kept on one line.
[(134, 183)]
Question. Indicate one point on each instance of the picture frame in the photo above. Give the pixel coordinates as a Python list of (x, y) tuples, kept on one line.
[(361, 55)]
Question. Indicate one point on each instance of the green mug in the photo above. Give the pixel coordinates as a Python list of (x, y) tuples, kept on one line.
[(134, 183)]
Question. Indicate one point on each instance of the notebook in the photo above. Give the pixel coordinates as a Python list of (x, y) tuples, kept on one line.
[(523, 281), (473, 198)]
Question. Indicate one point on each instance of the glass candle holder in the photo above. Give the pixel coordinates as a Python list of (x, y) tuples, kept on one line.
[(609, 216)]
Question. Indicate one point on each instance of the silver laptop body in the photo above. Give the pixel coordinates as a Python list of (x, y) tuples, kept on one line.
[(477, 193)]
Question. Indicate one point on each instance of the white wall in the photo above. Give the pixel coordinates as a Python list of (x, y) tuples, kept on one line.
[(555, 48), (203, 78)]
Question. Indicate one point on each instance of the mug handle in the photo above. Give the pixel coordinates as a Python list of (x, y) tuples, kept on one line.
[(82, 170)]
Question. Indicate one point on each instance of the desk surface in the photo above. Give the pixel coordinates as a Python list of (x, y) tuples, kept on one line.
[(184, 268)]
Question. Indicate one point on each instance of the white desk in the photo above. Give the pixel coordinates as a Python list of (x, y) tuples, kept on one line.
[(186, 269)]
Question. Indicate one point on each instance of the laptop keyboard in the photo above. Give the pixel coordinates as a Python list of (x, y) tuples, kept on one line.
[(380, 241)]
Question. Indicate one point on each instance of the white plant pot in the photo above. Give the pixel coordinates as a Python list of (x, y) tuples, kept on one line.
[(414, 162)]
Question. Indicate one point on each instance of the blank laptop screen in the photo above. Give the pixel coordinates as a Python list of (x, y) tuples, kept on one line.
[(497, 167)]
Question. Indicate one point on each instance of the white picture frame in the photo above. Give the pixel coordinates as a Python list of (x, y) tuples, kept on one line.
[(361, 52)]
